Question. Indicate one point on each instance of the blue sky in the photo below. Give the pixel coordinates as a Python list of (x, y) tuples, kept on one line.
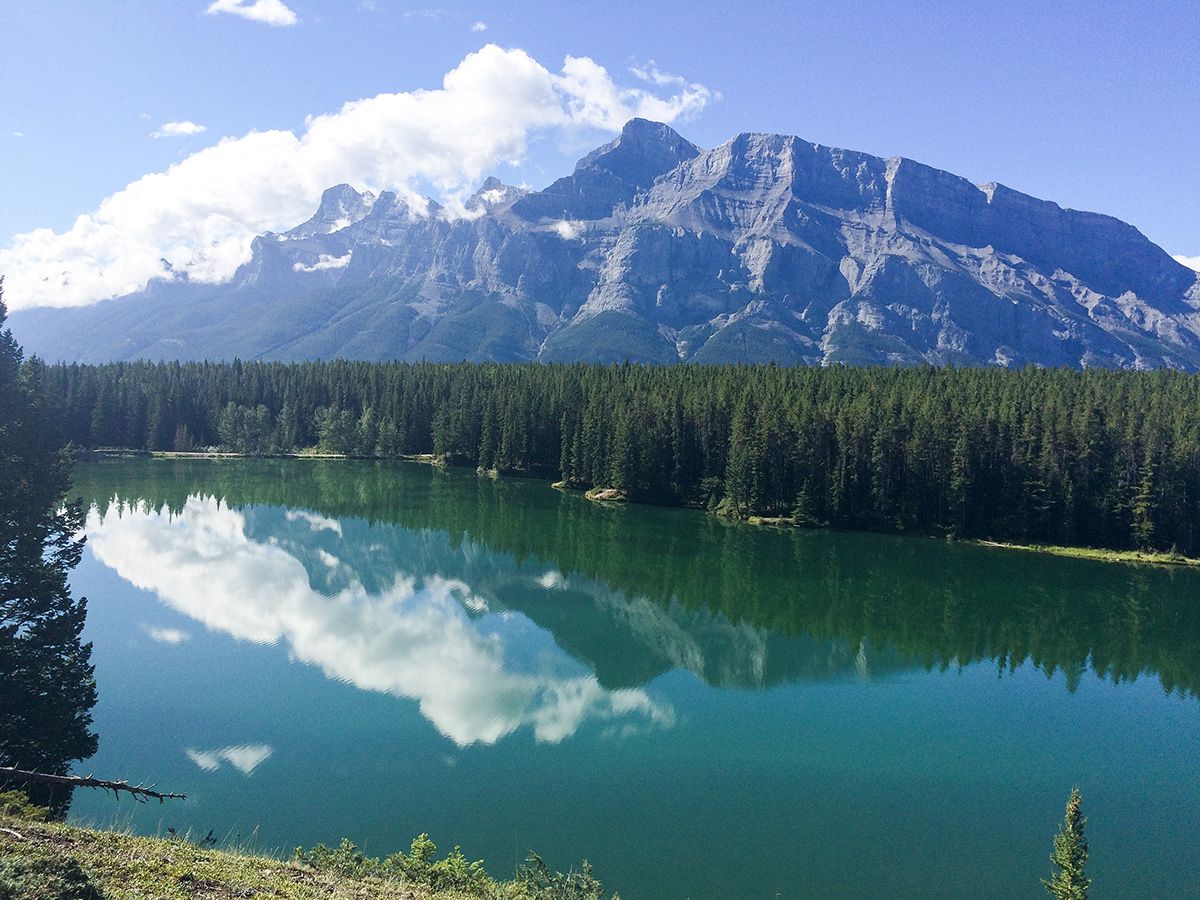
[(1093, 105)]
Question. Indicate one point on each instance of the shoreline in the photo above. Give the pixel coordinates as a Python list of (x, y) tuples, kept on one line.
[(612, 497), (44, 858)]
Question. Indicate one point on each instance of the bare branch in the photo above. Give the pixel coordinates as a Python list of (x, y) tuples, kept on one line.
[(140, 792)]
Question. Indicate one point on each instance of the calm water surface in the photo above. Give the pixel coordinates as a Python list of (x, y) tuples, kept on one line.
[(313, 650)]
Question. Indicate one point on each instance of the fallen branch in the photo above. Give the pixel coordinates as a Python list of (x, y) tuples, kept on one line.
[(16, 834), (140, 792)]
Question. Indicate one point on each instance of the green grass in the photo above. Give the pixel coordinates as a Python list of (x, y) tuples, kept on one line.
[(1123, 556), (1120, 556), (45, 860)]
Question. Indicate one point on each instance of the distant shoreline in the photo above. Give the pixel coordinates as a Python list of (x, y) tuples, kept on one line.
[(1129, 557)]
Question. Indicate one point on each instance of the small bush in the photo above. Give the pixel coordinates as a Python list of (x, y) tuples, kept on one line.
[(543, 883), (18, 805)]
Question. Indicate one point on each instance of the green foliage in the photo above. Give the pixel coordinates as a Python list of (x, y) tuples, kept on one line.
[(545, 884), (245, 429), (1096, 458), (17, 805), (38, 877), (47, 689), (454, 873), (1069, 881)]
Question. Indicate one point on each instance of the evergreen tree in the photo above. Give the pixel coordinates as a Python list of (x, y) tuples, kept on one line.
[(47, 689), (1069, 882)]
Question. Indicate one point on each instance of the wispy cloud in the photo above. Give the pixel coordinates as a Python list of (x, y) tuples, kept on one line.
[(269, 12), (1192, 262), (652, 74), (199, 217), (426, 13), (479, 27), (18, 134), (171, 636), (324, 261), (178, 129)]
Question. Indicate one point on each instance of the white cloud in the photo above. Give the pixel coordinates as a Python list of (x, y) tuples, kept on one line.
[(18, 134), (166, 635), (269, 12), (178, 129), (324, 261), (566, 230), (244, 757), (1192, 262), (201, 215), (479, 27), (651, 73)]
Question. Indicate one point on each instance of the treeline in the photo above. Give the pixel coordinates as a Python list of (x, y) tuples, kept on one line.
[(1097, 458)]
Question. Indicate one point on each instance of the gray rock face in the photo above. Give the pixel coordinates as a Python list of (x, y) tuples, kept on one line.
[(764, 248)]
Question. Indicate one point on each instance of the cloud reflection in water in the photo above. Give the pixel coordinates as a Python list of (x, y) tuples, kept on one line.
[(414, 639)]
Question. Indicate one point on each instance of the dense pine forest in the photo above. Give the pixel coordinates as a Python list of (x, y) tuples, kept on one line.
[(1096, 458)]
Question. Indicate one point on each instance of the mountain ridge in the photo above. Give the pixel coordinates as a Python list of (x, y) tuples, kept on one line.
[(764, 248)]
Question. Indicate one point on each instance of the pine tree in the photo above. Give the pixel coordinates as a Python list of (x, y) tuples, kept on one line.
[(1070, 855), (47, 688)]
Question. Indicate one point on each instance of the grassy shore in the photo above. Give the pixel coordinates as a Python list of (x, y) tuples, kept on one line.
[(1121, 556), (44, 860)]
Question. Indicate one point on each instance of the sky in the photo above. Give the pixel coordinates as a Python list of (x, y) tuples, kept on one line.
[(147, 137)]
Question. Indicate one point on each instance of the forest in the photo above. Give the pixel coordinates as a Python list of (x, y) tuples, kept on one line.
[(1095, 458)]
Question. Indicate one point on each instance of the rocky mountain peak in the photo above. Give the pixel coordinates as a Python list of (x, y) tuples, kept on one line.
[(493, 194), (611, 175), (340, 207)]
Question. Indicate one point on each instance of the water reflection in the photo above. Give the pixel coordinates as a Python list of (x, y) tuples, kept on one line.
[(359, 615), (243, 757), (785, 687), (504, 604)]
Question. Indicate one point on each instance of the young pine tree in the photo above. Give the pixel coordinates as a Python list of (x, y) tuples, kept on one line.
[(1069, 882)]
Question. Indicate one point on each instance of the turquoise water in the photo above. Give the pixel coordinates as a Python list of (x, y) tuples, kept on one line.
[(312, 650)]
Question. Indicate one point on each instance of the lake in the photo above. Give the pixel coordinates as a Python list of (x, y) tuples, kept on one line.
[(319, 649)]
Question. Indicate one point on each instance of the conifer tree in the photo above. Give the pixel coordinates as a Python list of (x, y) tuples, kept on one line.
[(47, 689), (1069, 882)]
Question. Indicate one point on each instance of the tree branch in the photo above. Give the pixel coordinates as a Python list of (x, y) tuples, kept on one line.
[(138, 791)]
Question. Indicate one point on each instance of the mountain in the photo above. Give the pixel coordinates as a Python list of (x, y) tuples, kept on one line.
[(764, 248)]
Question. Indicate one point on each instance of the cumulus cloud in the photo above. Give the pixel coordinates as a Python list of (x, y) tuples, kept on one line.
[(1192, 262), (178, 129), (269, 12), (198, 218), (479, 27)]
